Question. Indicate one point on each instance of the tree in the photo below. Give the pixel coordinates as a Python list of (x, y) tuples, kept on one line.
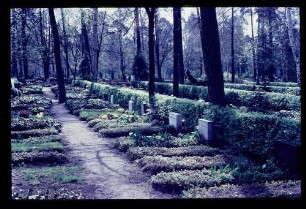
[(85, 65), (65, 45), (44, 48), (24, 41), (232, 48), (294, 42), (157, 42), (211, 55), (253, 47), (151, 14), (57, 55)]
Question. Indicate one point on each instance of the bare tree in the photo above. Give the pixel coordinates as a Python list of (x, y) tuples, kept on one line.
[(57, 55)]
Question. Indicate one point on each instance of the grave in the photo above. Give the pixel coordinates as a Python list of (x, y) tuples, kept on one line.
[(205, 128), (131, 106), (112, 99), (143, 106), (175, 119)]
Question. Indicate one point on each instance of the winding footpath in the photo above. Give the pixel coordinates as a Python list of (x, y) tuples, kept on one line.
[(113, 175)]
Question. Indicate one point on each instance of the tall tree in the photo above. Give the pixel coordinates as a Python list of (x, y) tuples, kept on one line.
[(232, 47), (24, 41), (95, 45), (157, 36), (14, 50), (44, 46), (65, 45), (294, 42), (211, 55), (253, 47), (180, 47), (57, 55), (176, 69), (151, 14)]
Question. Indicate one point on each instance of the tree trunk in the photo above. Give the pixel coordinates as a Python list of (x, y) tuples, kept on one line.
[(86, 49), (151, 13), (122, 67), (24, 43), (57, 55), (176, 70), (157, 34), (270, 48), (65, 45), (180, 48), (45, 49), (232, 47), (293, 43), (253, 47), (14, 62), (212, 57), (138, 41), (95, 45), (200, 30)]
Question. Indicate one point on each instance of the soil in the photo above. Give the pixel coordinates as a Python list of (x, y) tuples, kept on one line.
[(111, 173)]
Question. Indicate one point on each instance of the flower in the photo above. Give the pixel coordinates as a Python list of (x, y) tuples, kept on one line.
[(40, 115)]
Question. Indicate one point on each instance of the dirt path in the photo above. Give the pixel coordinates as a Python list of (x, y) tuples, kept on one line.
[(114, 176)]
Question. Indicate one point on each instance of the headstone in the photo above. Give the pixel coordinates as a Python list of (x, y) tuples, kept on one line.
[(131, 106), (143, 108), (206, 129), (112, 99), (132, 77), (175, 119)]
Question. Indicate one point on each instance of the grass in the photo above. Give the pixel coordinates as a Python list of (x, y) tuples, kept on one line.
[(45, 146), (62, 174)]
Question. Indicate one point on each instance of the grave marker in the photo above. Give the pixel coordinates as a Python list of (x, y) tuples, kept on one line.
[(175, 119), (131, 106), (112, 99), (143, 106), (206, 129)]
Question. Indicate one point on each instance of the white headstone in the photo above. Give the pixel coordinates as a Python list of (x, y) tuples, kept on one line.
[(143, 108), (175, 119), (131, 106), (206, 129), (112, 99)]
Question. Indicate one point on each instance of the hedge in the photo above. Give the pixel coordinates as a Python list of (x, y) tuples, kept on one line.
[(38, 158), (155, 164), (33, 133), (124, 131), (42, 139), (30, 147), (276, 89), (254, 99), (256, 190), (139, 152), (180, 180), (246, 131)]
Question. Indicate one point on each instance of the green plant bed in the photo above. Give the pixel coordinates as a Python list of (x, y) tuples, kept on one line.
[(21, 124), (156, 164), (91, 114), (182, 180), (139, 152), (106, 124), (30, 147), (61, 174), (33, 133), (34, 140), (117, 132), (124, 143), (42, 157), (273, 189)]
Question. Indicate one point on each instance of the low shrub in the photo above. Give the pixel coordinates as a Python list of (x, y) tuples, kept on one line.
[(34, 140), (155, 164), (180, 180), (139, 152), (256, 190), (117, 132), (30, 147), (33, 133), (21, 124), (38, 158)]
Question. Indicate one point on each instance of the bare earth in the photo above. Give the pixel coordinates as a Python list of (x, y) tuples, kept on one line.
[(114, 176)]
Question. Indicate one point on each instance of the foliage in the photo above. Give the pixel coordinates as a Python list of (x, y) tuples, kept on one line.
[(139, 152), (124, 131), (34, 140), (30, 147), (23, 123), (33, 133), (256, 190), (38, 158)]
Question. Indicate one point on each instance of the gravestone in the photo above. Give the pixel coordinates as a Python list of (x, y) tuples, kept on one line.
[(131, 106), (143, 106), (206, 129), (175, 119), (112, 99)]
